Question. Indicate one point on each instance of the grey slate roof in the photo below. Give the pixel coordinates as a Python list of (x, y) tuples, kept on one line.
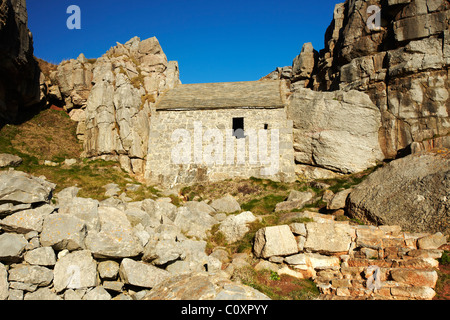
[(251, 94)]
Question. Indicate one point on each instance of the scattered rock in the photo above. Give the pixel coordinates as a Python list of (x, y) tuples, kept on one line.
[(295, 200), (234, 228), (62, 231), (202, 287), (338, 200), (20, 188), (141, 274), (34, 275), (275, 241), (9, 160), (227, 204), (76, 270), (43, 256), (12, 246)]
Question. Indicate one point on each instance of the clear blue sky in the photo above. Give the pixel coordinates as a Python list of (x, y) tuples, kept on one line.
[(213, 41)]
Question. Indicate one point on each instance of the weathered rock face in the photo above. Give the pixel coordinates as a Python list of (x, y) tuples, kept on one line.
[(112, 98), (127, 81), (412, 192), (73, 82), (403, 65), (335, 130), (19, 72)]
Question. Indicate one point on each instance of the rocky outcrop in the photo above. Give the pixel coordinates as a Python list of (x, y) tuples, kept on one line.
[(72, 83), (127, 82), (19, 72), (402, 64), (112, 98), (412, 192)]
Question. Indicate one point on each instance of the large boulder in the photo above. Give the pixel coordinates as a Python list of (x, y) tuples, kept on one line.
[(126, 83), (335, 130), (21, 188), (412, 192), (141, 274), (200, 286), (116, 238), (77, 270)]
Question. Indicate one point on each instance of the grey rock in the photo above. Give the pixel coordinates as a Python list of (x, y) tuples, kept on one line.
[(116, 238), (227, 204), (432, 241), (162, 252), (115, 286), (338, 200), (108, 270), (27, 220), (82, 208), (328, 237), (235, 227), (62, 231), (98, 293), (12, 246), (20, 188), (4, 286), (67, 193), (9, 160), (35, 275), (202, 287), (141, 274), (420, 185), (43, 256), (345, 142), (76, 270), (194, 224), (298, 229), (44, 294)]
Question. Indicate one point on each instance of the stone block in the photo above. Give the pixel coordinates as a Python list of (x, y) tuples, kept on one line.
[(275, 241), (328, 237), (416, 278)]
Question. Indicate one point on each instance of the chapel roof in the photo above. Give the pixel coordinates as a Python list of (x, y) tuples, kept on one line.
[(224, 95)]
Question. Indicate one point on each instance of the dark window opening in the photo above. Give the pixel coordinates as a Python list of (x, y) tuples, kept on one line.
[(238, 128), (266, 126)]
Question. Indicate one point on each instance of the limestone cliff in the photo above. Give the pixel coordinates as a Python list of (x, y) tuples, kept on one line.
[(402, 64), (19, 72)]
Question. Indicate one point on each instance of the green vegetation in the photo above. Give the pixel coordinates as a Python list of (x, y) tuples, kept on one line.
[(277, 287), (51, 135)]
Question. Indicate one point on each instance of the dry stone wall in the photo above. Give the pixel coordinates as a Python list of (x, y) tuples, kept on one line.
[(353, 261)]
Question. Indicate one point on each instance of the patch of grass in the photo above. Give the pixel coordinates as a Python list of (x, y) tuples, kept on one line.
[(264, 205), (445, 258)]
